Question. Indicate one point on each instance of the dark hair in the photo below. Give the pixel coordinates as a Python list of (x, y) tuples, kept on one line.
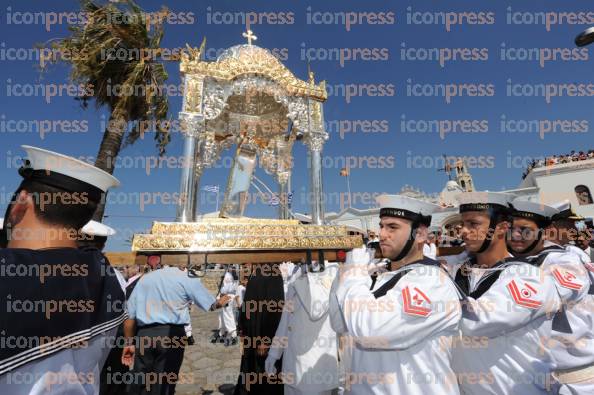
[(97, 242), (71, 210), (503, 217)]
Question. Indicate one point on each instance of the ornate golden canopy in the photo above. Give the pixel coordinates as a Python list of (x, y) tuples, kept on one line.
[(247, 98), (249, 59)]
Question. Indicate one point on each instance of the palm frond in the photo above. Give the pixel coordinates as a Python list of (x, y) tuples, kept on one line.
[(113, 30)]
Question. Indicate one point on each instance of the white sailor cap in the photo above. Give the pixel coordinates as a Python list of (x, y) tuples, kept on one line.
[(94, 228), (538, 212), (481, 201), (406, 207), (562, 205), (64, 172), (565, 211)]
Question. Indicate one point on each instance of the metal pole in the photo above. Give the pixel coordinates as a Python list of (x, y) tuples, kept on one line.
[(348, 177), (282, 195), (317, 207), (289, 205), (217, 209), (196, 189), (185, 207)]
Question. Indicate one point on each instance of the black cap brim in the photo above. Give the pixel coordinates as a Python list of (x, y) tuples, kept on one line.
[(585, 38)]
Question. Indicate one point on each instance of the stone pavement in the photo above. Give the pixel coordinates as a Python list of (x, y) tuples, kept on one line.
[(208, 368)]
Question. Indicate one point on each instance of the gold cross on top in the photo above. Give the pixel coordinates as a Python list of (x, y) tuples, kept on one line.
[(250, 36)]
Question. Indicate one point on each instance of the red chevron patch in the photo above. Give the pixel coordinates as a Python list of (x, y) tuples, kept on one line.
[(418, 304), (523, 297), (566, 279)]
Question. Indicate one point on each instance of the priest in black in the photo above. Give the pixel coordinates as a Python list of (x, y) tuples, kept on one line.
[(259, 317)]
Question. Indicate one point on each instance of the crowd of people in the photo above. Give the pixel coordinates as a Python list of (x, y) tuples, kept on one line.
[(553, 160), (511, 314)]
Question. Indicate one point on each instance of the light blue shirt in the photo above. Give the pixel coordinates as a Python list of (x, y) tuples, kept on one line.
[(163, 297)]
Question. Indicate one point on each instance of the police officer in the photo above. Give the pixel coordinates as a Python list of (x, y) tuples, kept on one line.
[(158, 312), (400, 324), (59, 299)]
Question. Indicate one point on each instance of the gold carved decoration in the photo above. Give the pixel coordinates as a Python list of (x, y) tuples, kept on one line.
[(193, 94), (247, 234), (250, 59), (316, 115)]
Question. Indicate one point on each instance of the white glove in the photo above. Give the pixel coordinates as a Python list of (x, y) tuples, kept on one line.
[(359, 256), (356, 264), (377, 266), (269, 365)]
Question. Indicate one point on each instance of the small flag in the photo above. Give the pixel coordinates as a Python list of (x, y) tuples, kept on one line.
[(289, 198), (274, 200), (211, 188), (344, 172)]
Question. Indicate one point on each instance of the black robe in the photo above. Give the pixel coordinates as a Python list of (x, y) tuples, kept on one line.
[(113, 364), (260, 315)]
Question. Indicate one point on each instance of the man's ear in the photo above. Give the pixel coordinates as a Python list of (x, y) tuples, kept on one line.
[(502, 227), (549, 232), (422, 233), (23, 203)]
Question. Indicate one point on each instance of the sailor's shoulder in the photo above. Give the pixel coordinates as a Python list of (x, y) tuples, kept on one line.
[(6, 255), (455, 259), (578, 252), (519, 267), (428, 275), (565, 258)]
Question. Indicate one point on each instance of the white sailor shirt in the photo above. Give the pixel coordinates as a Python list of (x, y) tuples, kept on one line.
[(508, 311), (402, 329)]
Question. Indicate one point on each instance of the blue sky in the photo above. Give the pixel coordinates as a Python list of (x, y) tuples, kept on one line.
[(494, 149)]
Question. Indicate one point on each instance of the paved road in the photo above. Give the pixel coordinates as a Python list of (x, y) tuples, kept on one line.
[(209, 368)]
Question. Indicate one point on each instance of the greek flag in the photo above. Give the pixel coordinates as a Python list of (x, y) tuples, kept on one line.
[(211, 188), (274, 200)]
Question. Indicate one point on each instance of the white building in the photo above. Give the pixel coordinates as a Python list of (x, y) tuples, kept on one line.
[(573, 181)]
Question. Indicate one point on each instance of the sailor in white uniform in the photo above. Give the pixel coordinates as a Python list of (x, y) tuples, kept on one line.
[(508, 308), (95, 234), (61, 311), (402, 325), (98, 233), (304, 338), (572, 339), (564, 230)]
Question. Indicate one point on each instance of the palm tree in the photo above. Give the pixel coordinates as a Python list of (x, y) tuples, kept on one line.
[(131, 86)]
